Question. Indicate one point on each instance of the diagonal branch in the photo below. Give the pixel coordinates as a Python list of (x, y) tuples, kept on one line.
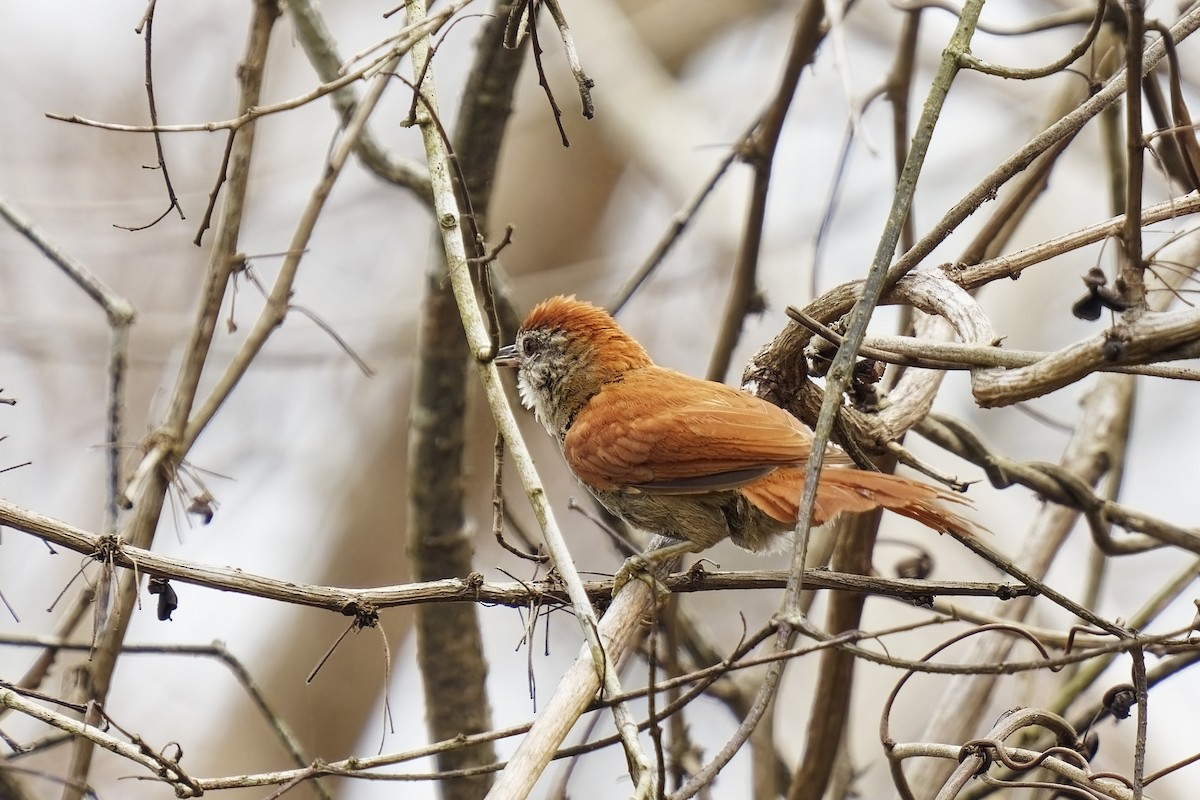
[(449, 220)]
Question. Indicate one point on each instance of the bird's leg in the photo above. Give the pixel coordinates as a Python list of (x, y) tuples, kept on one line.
[(642, 566)]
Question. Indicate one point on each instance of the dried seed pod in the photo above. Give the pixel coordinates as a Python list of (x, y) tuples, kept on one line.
[(168, 601), (1119, 700)]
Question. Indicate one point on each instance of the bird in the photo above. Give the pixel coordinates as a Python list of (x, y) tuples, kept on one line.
[(691, 459)]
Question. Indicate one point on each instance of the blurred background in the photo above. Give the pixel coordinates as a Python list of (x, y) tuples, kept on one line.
[(307, 461)]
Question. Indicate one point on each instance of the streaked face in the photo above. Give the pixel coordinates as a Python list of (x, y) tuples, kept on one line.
[(540, 357)]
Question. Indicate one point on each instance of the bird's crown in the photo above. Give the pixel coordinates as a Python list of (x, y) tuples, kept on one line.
[(591, 333)]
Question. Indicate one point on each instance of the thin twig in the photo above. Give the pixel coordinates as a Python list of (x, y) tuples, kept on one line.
[(673, 234), (1016, 163), (584, 83), (147, 31), (913, 351), (277, 303), (321, 49), (405, 39), (1070, 57)]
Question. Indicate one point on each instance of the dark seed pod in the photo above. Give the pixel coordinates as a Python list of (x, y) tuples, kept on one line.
[(168, 601), (1088, 307), (1119, 700), (1099, 296)]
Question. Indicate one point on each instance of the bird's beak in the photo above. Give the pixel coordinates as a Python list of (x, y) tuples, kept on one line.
[(507, 357)]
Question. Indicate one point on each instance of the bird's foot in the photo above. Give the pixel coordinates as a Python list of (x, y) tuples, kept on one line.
[(639, 568)]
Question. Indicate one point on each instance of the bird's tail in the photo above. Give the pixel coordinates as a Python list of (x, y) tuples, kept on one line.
[(777, 495)]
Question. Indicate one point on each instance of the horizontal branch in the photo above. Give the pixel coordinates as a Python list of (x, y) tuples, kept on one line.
[(926, 353), (367, 767), (1149, 337), (473, 588)]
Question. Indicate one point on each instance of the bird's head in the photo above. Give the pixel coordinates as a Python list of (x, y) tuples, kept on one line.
[(565, 351)]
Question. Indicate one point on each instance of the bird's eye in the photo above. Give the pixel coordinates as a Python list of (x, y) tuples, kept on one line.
[(528, 346)]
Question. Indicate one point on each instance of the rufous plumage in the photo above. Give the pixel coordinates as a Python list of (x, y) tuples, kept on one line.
[(687, 458)]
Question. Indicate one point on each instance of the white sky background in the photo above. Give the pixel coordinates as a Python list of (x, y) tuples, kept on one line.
[(304, 420)]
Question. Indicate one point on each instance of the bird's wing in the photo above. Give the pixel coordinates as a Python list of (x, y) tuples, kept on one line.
[(661, 431)]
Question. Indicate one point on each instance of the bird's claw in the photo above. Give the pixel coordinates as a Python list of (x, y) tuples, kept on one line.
[(639, 568)]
